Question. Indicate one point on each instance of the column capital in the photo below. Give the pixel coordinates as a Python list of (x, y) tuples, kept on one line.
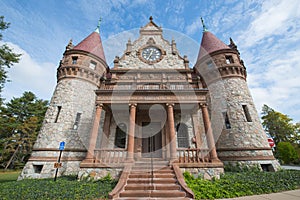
[(132, 105), (170, 104), (202, 105), (99, 105)]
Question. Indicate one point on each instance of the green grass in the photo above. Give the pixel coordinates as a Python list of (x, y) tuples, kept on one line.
[(64, 188), (6, 176), (236, 184)]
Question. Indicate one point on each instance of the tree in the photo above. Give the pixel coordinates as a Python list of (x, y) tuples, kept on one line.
[(7, 57), (286, 153), (277, 125), (21, 121)]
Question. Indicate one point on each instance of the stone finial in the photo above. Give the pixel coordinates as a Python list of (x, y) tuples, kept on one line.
[(70, 45), (232, 45), (151, 18)]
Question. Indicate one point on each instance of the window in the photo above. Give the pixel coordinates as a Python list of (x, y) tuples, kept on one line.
[(209, 64), (76, 123), (37, 168), (229, 59), (226, 120), (182, 135), (247, 114), (93, 65), (57, 114), (120, 138), (74, 60)]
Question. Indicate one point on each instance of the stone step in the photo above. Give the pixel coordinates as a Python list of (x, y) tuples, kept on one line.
[(152, 187), (154, 198), (152, 193), (150, 180), (154, 175), (160, 171)]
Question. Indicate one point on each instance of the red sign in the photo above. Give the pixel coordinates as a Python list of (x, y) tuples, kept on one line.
[(271, 142)]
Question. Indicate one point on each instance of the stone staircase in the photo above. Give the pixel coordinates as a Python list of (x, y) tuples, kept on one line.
[(152, 180)]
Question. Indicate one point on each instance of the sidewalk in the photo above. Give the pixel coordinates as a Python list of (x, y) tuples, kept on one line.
[(288, 195)]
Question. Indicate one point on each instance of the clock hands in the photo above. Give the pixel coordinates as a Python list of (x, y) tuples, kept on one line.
[(151, 51)]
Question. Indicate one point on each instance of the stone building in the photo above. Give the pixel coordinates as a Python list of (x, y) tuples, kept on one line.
[(150, 112)]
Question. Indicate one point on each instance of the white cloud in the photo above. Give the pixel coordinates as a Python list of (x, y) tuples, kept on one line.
[(28, 75), (194, 27), (275, 18)]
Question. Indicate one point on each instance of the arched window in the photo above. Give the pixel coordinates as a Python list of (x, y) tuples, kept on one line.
[(120, 138), (182, 135)]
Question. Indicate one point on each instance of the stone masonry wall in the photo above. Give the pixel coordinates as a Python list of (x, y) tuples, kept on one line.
[(74, 96)]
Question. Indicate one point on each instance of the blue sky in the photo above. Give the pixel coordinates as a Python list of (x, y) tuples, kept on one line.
[(267, 34)]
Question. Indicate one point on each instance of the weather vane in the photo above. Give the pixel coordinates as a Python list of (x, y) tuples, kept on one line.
[(99, 22), (204, 27)]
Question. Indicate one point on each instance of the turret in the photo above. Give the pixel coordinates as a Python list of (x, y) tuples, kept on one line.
[(71, 111), (238, 132)]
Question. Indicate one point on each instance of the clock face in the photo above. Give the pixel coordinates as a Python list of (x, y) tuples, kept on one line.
[(151, 54)]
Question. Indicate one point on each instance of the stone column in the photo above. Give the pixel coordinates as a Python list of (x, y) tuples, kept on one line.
[(106, 130), (94, 134), (172, 131), (130, 145), (209, 133), (196, 126)]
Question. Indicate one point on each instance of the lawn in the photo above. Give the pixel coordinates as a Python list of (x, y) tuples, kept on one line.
[(6, 176)]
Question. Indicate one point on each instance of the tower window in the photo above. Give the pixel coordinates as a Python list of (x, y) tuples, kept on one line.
[(182, 135), (226, 120), (120, 138), (77, 119), (209, 64), (93, 65), (247, 113), (57, 114), (74, 59), (229, 59)]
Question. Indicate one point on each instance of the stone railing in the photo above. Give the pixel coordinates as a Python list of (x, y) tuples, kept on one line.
[(110, 155), (192, 155), (149, 87)]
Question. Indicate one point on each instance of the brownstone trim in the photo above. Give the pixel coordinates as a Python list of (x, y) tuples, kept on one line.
[(245, 158), (102, 165), (54, 159), (244, 149), (201, 165), (56, 149)]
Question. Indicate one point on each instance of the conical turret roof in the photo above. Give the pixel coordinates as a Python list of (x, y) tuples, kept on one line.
[(92, 44), (210, 43)]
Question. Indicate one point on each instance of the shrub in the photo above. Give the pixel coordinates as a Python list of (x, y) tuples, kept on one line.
[(232, 185), (66, 187)]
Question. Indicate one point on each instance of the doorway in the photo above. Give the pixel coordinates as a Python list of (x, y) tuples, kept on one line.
[(151, 140)]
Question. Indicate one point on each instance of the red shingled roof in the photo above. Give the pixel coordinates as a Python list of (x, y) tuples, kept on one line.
[(209, 44), (92, 44)]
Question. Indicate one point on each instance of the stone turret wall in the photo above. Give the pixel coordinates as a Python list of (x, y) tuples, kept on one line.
[(73, 96)]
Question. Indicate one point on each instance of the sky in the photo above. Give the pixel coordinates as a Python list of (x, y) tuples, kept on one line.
[(267, 33)]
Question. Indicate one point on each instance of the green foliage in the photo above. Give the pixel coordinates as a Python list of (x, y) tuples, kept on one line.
[(278, 125), (20, 122), (9, 175), (286, 153), (7, 57), (232, 185), (67, 187)]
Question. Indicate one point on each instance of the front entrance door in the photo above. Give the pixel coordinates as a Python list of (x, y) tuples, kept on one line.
[(151, 140)]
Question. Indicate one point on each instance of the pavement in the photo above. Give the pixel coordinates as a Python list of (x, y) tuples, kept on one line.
[(287, 195)]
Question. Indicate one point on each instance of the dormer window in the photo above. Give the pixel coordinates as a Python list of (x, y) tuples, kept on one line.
[(74, 60), (229, 59), (93, 65)]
